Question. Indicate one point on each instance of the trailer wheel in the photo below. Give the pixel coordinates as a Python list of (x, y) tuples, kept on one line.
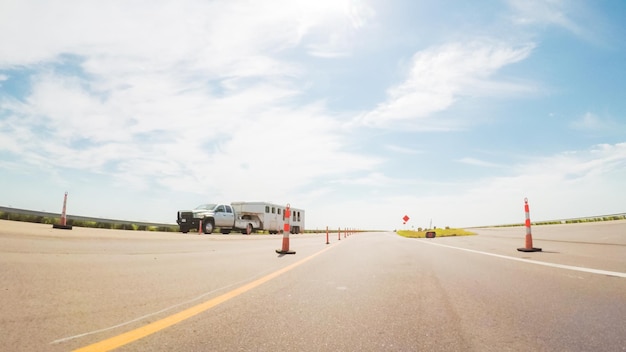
[(249, 229), (208, 226)]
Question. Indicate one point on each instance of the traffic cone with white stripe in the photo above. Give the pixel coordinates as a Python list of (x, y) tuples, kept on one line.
[(63, 221), (286, 230), (529, 237)]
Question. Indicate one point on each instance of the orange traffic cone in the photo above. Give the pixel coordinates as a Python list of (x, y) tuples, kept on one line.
[(528, 245), (286, 231), (63, 222)]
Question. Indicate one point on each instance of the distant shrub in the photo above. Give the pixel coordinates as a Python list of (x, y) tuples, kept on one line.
[(104, 225)]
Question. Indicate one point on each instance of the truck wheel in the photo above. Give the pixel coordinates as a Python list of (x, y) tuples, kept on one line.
[(208, 226)]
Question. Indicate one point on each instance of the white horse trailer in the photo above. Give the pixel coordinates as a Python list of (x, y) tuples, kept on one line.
[(270, 216)]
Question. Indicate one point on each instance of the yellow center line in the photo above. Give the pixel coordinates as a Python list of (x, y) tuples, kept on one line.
[(136, 334)]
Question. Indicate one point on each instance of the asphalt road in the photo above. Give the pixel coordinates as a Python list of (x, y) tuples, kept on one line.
[(143, 291)]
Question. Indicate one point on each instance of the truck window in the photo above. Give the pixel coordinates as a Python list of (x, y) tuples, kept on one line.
[(220, 209), (229, 209)]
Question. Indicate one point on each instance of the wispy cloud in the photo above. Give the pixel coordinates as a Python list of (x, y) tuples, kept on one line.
[(477, 162), (592, 122), (558, 186), (222, 38), (402, 150), (340, 40), (193, 92), (576, 17), (438, 76), (551, 12)]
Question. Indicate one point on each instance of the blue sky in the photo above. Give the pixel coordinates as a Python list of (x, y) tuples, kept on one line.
[(360, 112)]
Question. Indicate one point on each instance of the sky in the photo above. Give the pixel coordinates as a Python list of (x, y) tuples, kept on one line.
[(358, 112)]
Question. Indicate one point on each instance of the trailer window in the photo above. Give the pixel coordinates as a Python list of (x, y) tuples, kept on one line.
[(267, 208), (273, 210), (279, 211)]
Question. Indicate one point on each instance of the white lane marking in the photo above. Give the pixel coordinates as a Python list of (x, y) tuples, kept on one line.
[(560, 266)]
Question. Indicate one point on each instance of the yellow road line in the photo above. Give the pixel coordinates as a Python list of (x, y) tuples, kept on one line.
[(134, 335)]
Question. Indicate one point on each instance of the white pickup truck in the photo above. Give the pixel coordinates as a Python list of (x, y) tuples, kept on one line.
[(212, 216)]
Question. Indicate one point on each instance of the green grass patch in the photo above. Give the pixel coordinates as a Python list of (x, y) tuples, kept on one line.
[(439, 233)]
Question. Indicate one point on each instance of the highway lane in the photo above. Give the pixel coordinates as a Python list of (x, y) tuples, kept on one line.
[(373, 291), (58, 284), (600, 245)]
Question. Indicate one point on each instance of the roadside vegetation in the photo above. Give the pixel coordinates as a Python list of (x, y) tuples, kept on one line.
[(572, 221), (421, 233), (115, 225)]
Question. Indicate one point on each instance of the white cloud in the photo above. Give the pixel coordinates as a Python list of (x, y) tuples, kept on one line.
[(375, 179), (402, 150), (587, 121), (438, 76), (591, 122), (563, 185), (542, 11), (190, 95), (573, 16), (477, 162), (223, 38), (239, 144)]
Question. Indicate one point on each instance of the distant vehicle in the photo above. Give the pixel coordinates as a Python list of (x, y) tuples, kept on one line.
[(246, 217), (271, 216)]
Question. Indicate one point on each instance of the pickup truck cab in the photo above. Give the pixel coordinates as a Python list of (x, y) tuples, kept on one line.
[(208, 217)]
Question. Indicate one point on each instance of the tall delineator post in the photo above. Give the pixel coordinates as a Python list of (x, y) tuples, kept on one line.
[(528, 245), (286, 231), (327, 242), (63, 221)]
